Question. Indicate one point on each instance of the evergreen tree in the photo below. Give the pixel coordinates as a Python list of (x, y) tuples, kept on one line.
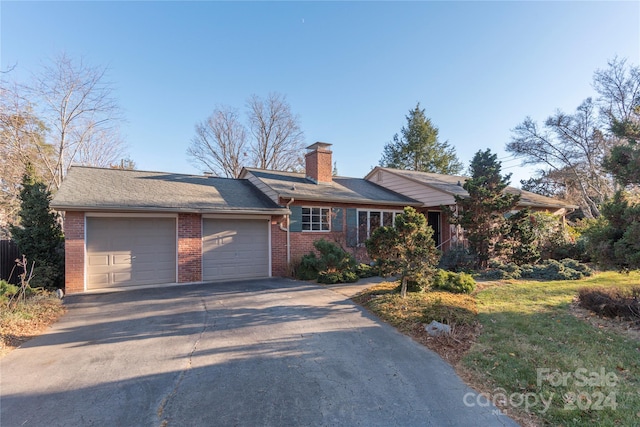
[(482, 212), (419, 149), (520, 243), (38, 234), (406, 249)]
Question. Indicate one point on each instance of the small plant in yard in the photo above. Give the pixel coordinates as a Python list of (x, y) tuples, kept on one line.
[(459, 283)]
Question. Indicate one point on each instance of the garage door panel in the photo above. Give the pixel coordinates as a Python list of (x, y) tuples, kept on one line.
[(235, 249), (130, 251)]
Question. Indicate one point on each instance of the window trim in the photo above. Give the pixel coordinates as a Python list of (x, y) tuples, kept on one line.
[(368, 211), (310, 223)]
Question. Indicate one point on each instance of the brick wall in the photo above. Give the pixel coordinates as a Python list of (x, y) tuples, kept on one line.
[(319, 166), (74, 252), (279, 265), (302, 242), (189, 248)]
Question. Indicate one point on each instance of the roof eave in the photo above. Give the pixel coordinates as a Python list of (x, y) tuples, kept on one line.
[(161, 209), (349, 200)]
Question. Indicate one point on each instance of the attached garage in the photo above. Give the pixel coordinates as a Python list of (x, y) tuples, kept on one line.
[(125, 251), (128, 228), (235, 249)]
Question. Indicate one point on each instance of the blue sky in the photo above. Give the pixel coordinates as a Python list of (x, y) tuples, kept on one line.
[(350, 70)]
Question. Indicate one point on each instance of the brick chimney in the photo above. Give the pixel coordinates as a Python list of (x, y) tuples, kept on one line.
[(318, 163)]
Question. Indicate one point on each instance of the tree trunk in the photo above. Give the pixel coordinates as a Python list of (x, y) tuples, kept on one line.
[(403, 287)]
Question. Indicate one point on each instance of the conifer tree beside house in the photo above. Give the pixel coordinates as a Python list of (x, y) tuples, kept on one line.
[(38, 233), (482, 213)]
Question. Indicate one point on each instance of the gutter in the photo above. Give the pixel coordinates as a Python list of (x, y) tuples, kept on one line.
[(154, 209), (288, 215)]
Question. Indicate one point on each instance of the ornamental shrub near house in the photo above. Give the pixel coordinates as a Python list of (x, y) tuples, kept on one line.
[(332, 265)]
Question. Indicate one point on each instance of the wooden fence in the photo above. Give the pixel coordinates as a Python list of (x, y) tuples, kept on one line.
[(8, 254)]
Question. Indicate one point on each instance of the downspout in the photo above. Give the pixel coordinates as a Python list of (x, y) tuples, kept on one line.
[(288, 232)]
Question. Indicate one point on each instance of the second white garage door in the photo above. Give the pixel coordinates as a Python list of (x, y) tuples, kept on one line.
[(235, 249)]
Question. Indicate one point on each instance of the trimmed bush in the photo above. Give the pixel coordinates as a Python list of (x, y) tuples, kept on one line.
[(459, 283), (612, 302)]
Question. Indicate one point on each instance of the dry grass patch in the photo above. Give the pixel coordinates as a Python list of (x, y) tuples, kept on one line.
[(409, 315), (21, 321)]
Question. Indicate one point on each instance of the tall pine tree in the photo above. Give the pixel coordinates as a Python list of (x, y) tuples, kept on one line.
[(482, 212), (38, 234), (419, 149)]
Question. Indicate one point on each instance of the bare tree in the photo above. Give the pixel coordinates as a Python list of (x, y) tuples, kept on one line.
[(619, 90), (76, 103), (278, 140), (571, 146), (220, 143), (21, 143)]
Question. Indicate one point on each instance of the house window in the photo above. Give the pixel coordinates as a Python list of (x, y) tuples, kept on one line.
[(316, 219), (368, 221)]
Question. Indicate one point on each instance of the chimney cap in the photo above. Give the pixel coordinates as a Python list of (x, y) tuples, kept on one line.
[(319, 146)]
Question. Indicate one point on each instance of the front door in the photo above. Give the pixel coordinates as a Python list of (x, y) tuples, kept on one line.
[(433, 220)]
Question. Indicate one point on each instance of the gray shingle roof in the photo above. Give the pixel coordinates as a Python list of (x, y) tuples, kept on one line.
[(87, 188), (341, 190), (452, 184)]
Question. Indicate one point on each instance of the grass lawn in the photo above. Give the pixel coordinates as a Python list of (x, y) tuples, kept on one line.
[(534, 357)]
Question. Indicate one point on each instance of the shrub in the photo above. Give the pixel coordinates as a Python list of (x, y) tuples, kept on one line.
[(611, 302), (578, 266), (307, 269), (457, 258), (333, 265), (459, 283), (7, 291), (350, 277), (567, 269), (330, 278), (420, 282), (500, 271), (365, 270)]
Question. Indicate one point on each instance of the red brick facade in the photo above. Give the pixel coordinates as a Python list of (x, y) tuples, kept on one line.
[(74, 252), (190, 244), (302, 242), (189, 248)]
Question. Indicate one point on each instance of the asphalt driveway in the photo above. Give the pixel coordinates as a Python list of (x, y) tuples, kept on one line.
[(256, 353)]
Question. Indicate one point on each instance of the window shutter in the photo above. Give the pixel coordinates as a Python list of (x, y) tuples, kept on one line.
[(295, 220), (352, 227), (336, 219)]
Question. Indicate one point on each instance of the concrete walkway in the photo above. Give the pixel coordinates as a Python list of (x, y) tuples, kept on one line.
[(256, 353)]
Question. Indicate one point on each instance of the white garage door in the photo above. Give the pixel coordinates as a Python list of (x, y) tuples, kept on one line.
[(130, 251), (235, 249)]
